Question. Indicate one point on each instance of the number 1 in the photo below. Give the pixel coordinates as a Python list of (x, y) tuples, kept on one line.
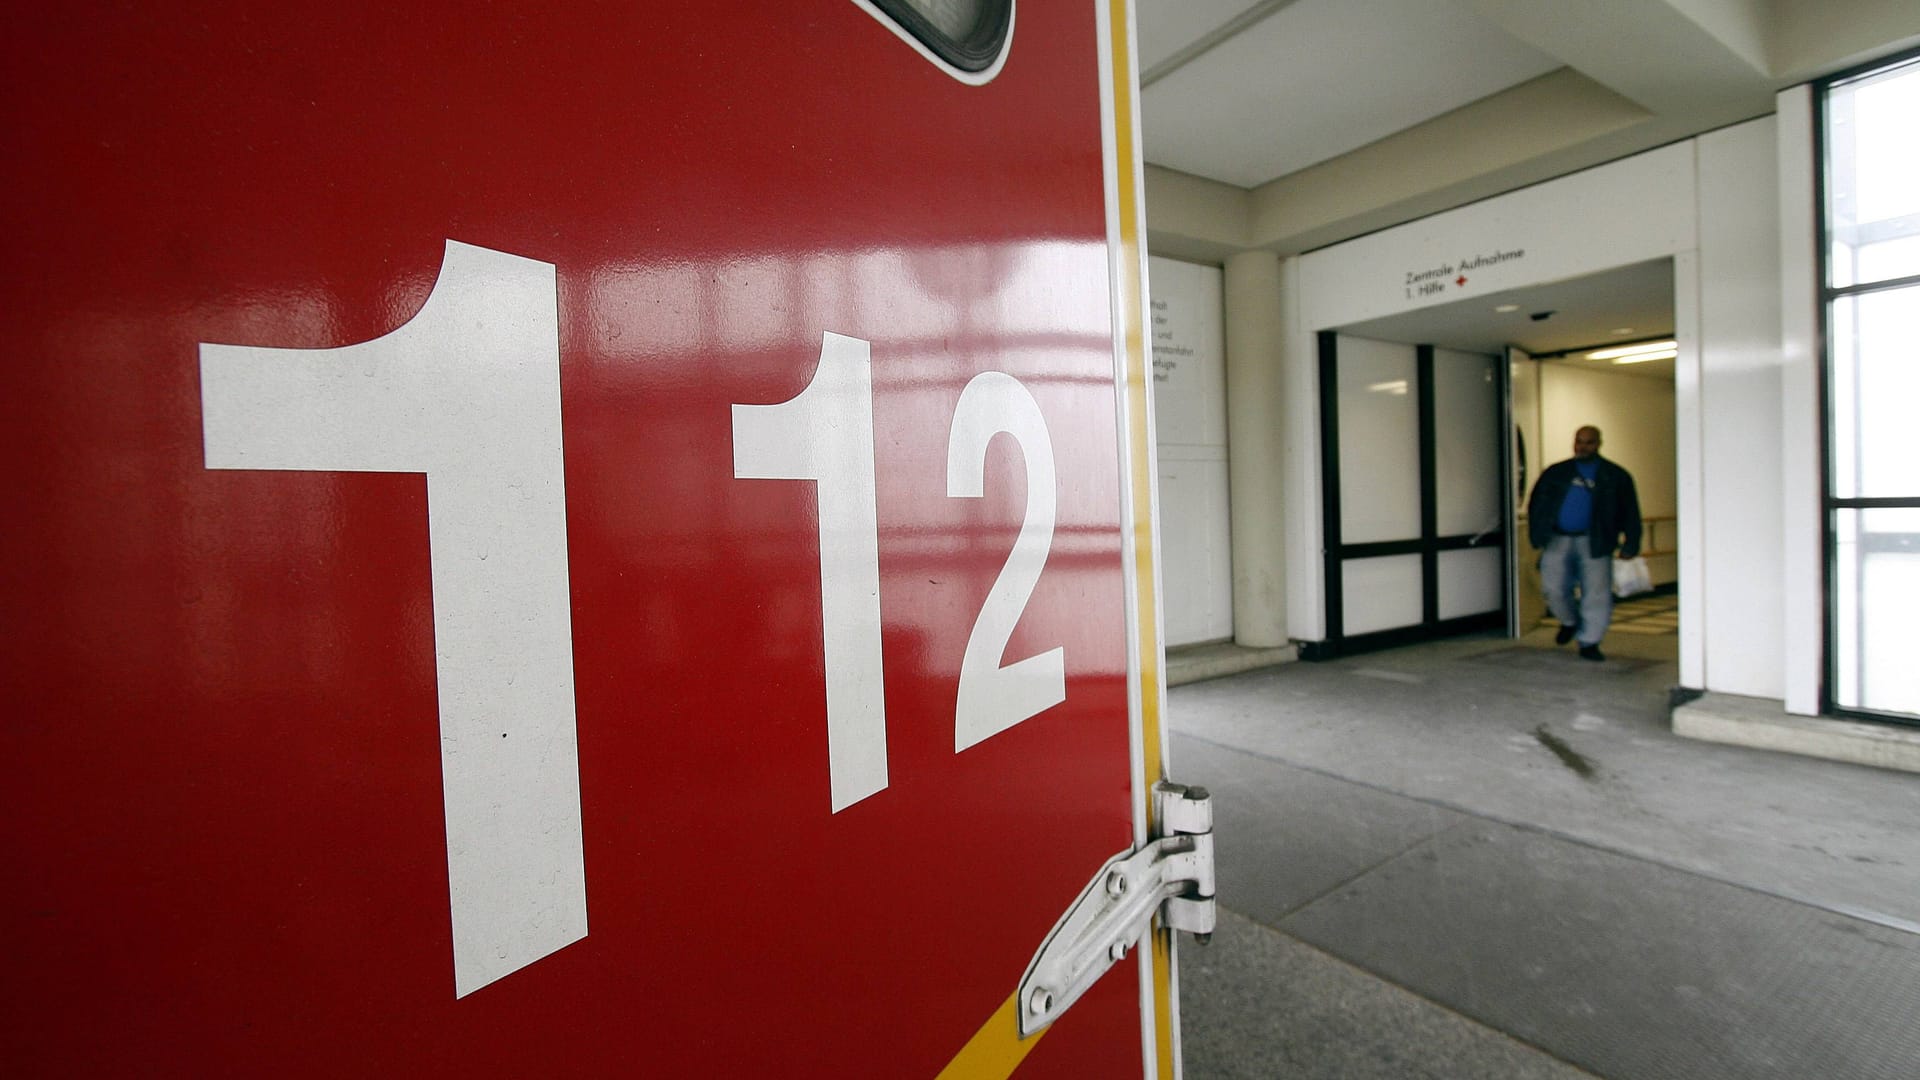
[(825, 434), (467, 392)]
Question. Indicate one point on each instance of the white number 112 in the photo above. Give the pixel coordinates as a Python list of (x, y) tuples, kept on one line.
[(467, 392)]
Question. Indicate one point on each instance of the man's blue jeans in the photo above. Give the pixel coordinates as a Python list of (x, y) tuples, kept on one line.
[(1566, 565)]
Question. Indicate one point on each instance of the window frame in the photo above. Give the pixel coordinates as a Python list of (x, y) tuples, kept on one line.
[(1831, 505)]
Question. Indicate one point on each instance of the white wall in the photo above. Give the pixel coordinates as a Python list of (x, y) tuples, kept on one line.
[(1740, 387), (1189, 390), (1634, 414), (1627, 212)]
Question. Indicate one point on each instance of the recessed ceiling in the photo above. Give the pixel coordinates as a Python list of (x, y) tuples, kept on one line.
[(1313, 79), (1586, 312), (1288, 125)]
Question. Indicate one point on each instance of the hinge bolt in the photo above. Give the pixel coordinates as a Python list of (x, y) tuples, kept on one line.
[(1116, 884), (1040, 1001), (1118, 951)]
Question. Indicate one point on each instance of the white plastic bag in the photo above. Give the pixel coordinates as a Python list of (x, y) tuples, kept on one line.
[(1631, 577)]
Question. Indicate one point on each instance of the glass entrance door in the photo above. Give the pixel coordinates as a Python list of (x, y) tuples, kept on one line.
[(1414, 452)]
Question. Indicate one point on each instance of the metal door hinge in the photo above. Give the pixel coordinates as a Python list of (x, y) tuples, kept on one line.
[(1172, 876)]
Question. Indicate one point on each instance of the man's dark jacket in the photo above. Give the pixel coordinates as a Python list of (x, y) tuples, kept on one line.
[(1616, 508)]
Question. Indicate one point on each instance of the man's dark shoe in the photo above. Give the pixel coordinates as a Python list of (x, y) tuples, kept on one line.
[(1591, 652), (1565, 635)]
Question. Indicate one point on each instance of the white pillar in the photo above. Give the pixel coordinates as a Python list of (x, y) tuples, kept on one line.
[(1803, 614), (1254, 447)]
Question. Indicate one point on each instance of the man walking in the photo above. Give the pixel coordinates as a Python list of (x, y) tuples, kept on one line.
[(1578, 513)]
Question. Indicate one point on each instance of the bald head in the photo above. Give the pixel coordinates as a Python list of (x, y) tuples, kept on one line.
[(1586, 442)]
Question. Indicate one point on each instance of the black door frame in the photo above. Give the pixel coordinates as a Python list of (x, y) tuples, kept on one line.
[(1430, 544)]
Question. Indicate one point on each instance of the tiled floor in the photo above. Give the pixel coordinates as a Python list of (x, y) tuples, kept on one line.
[(1487, 859)]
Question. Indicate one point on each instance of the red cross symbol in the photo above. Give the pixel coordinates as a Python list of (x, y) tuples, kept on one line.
[(1461, 280)]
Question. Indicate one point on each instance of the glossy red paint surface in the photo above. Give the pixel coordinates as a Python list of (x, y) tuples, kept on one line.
[(225, 835)]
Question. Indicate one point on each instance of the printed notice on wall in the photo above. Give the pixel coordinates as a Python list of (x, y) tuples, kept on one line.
[(1189, 394), (1170, 345), (1189, 363)]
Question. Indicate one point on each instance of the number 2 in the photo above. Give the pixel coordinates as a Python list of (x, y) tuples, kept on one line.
[(994, 698)]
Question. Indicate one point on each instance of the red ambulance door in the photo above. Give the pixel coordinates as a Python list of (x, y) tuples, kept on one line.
[(568, 540)]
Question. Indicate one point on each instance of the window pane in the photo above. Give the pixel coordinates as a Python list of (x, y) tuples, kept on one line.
[(1381, 594), (1873, 177), (1471, 581), (1466, 443), (1874, 389), (1379, 443), (1876, 592)]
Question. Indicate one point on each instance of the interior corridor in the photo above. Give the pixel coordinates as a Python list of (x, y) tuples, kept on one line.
[(1486, 858)]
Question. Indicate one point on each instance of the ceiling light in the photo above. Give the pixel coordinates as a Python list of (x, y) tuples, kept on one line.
[(1641, 358), (1632, 350), (1621, 331), (1393, 386), (1504, 308)]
